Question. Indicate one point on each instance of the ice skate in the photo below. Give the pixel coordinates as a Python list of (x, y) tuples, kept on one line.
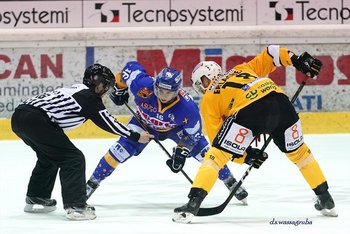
[(185, 213), (182, 217), (91, 186), (241, 193), (325, 204), (39, 205), (86, 212)]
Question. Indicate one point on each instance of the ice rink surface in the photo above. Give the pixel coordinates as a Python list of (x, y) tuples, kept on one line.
[(139, 197)]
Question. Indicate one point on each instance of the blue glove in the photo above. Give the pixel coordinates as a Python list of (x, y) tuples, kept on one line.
[(119, 96), (177, 162)]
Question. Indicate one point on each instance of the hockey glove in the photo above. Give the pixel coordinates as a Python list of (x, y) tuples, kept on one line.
[(119, 96), (307, 64), (177, 162), (255, 156)]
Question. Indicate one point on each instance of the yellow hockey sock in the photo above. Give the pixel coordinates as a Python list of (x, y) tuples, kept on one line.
[(308, 166), (208, 173), (110, 160), (206, 177)]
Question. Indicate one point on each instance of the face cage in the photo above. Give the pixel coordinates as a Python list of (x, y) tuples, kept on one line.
[(198, 87), (105, 82), (107, 85), (172, 94)]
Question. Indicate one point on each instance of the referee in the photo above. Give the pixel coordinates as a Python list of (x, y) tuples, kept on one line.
[(41, 121)]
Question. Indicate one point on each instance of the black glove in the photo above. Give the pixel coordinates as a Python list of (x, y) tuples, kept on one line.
[(119, 96), (255, 156), (177, 162), (307, 64)]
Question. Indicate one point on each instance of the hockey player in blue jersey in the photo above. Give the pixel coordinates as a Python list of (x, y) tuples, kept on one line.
[(169, 113)]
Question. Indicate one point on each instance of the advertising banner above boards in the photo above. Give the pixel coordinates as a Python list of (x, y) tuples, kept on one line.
[(40, 14), (149, 13), (25, 72)]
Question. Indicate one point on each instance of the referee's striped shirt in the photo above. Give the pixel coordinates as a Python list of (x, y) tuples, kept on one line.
[(71, 106)]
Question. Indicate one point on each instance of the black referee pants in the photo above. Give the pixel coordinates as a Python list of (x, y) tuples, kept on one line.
[(54, 151)]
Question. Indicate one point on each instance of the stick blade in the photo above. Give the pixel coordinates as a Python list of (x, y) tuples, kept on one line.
[(209, 211)]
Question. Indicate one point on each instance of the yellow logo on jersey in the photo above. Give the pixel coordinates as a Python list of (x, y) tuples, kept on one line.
[(185, 121), (252, 94), (144, 93)]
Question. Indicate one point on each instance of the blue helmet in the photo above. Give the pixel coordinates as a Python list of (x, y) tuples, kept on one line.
[(168, 79)]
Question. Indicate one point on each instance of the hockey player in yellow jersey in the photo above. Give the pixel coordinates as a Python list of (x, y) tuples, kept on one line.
[(243, 103)]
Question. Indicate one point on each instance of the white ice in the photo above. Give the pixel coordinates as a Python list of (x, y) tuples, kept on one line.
[(139, 197)]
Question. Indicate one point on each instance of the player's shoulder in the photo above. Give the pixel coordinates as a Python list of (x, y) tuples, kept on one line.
[(82, 94), (185, 97), (133, 66), (132, 70), (75, 89), (186, 102)]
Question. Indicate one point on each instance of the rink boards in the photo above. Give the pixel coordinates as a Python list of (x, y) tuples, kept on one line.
[(313, 123)]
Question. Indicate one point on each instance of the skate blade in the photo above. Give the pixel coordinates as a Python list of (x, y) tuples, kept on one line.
[(182, 217), (30, 208), (329, 213), (76, 216), (244, 202)]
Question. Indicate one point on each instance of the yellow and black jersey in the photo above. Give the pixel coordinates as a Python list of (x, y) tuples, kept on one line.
[(241, 86)]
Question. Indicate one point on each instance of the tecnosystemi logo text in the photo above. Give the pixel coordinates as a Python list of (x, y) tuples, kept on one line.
[(34, 16), (138, 15), (309, 12)]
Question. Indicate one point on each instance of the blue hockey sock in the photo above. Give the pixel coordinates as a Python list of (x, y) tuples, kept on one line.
[(103, 170), (224, 173)]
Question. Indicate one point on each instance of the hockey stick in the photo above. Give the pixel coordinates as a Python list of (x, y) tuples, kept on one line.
[(220, 208), (156, 140)]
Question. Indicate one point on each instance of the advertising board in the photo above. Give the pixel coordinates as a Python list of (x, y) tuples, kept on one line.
[(155, 13), (26, 72), (40, 14)]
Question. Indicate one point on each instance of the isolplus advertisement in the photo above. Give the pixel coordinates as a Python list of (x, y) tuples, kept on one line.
[(44, 14), (28, 72), (168, 13), (286, 12)]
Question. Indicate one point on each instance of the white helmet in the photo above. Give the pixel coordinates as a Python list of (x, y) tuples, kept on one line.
[(208, 69)]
